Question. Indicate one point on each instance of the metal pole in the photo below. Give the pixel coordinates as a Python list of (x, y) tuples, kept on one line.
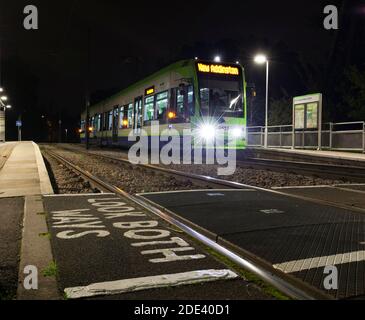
[(363, 137), (87, 125), (331, 129), (281, 138), (20, 129), (293, 128), (320, 122), (59, 130), (267, 104), (262, 136), (2, 124)]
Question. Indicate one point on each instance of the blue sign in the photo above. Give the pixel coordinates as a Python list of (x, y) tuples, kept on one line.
[(18, 123)]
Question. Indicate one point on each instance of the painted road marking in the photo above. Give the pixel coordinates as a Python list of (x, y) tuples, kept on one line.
[(77, 195), (301, 187), (339, 186), (347, 189), (318, 262), (272, 211), (195, 191), (349, 185), (152, 282), (80, 223)]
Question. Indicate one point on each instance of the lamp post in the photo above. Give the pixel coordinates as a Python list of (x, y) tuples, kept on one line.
[(3, 108), (2, 122), (261, 59)]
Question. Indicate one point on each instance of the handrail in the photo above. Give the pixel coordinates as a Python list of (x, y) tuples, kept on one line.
[(330, 130)]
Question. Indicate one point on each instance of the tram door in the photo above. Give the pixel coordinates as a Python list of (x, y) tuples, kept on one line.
[(115, 124), (137, 115)]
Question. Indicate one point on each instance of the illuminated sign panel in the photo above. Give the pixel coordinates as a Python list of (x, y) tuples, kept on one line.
[(149, 91), (218, 69), (307, 111)]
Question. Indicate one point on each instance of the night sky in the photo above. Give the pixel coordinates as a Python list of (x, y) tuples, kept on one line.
[(44, 71)]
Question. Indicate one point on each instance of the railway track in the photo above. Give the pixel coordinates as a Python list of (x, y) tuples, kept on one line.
[(222, 183), (321, 170), (287, 284)]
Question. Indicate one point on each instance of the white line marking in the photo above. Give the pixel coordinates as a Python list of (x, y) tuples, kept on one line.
[(198, 190), (321, 186), (348, 189), (318, 262), (78, 195), (349, 185), (152, 282), (301, 187)]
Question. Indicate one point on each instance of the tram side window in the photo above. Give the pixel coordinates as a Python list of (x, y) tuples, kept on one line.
[(98, 125), (92, 123), (191, 103), (204, 98), (184, 112), (126, 116), (110, 120), (130, 115), (121, 117), (105, 121), (162, 101), (149, 110), (180, 104), (115, 118), (83, 125)]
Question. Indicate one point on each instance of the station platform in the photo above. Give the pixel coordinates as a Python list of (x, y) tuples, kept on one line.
[(23, 181), (331, 157), (23, 172)]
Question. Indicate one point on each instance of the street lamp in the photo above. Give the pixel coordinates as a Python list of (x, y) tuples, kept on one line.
[(261, 59), (3, 108), (217, 59)]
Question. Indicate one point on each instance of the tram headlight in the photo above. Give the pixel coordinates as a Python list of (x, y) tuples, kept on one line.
[(207, 132), (238, 132)]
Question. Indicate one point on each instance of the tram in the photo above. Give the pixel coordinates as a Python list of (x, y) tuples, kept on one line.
[(203, 96)]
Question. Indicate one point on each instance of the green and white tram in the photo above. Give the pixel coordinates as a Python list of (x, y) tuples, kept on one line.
[(199, 95)]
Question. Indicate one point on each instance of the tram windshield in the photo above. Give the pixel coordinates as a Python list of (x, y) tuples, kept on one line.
[(221, 96)]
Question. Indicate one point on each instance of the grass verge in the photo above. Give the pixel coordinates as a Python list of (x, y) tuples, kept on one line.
[(51, 270)]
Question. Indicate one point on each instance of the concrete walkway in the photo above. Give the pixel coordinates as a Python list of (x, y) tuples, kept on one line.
[(327, 154), (5, 151), (23, 181), (24, 173)]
